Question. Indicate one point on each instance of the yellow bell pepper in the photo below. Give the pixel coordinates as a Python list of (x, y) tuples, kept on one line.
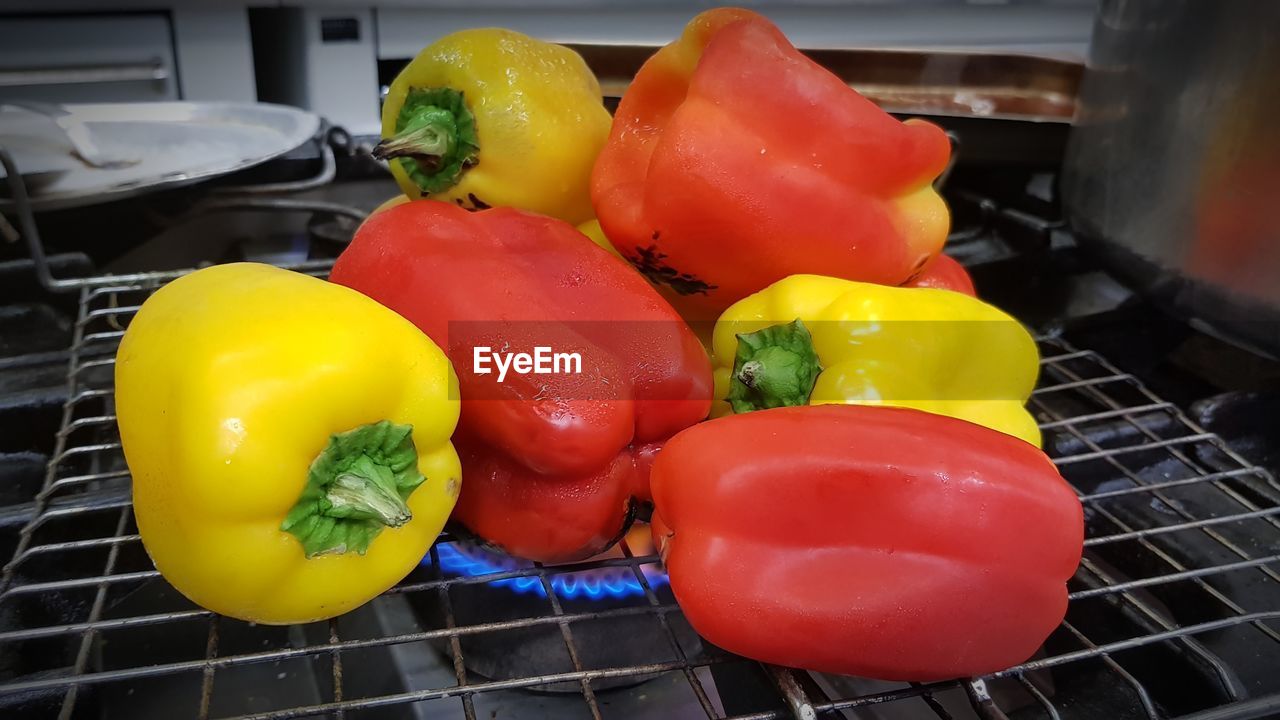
[(492, 117), (592, 229), (389, 203), (288, 440), (808, 339)]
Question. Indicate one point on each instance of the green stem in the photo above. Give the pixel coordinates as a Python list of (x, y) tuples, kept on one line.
[(359, 484), (429, 135), (367, 492), (435, 139), (774, 367)]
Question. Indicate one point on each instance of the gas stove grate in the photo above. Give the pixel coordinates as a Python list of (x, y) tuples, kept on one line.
[(1175, 610)]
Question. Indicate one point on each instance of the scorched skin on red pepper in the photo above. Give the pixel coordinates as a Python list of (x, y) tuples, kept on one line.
[(553, 464), (874, 541), (735, 161)]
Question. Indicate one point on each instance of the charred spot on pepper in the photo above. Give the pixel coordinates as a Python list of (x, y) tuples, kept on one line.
[(460, 531), (472, 203), (630, 511), (651, 263)]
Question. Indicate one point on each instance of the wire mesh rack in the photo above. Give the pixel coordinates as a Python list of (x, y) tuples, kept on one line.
[(1174, 611)]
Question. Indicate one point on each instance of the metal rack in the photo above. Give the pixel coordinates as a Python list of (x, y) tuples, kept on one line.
[(69, 595)]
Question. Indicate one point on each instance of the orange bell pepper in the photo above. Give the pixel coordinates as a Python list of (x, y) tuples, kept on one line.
[(735, 161)]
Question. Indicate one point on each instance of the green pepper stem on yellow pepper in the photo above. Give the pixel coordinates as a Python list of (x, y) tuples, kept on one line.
[(774, 367), (435, 138), (356, 486), (489, 117), (809, 339), (288, 441)]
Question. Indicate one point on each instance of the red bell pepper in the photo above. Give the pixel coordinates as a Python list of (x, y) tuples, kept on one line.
[(944, 273), (873, 541), (735, 161), (554, 464)]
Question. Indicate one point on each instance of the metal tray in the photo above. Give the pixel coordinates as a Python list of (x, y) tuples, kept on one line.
[(175, 143)]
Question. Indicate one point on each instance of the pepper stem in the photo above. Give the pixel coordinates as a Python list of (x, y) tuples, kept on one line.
[(428, 137), (358, 485), (435, 139), (774, 367), (368, 492)]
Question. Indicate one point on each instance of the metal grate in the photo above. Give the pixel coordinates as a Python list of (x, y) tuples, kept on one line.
[(1175, 610)]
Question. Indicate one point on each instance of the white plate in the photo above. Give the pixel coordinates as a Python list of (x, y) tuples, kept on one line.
[(176, 143)]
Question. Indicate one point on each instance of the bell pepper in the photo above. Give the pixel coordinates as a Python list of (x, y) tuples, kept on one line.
[(813, 340), (288, 441), (386, 205), (882, 542), (944, 273), (735, 161), (390, 203), (591, 229), (492, 117), (555, 464)]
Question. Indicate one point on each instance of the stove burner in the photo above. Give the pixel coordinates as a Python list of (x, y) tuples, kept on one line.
[(598, 594), (606, 582), (593, 584)]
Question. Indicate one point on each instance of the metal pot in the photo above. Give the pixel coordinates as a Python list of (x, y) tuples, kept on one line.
[(1173, 169)]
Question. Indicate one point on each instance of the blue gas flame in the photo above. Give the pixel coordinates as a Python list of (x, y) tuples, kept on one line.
[(594, 584)]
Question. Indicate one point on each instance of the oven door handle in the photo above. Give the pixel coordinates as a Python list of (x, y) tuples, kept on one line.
[(154, 70)]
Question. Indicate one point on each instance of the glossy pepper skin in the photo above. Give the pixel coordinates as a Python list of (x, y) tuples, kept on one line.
[(288, 440), (882, 542), (810, 339), (492, 117), (555, 464), (735, 161), (944, 273)]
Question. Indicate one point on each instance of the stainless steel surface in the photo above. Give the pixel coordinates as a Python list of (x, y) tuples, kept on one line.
[(77, 132), (976, 84), (20, 202), (247, 199), (1060, 27), (336, 86), (80, 546), (1174, 165), (328, 170), (177, 144), (18, 77), (90, 57)]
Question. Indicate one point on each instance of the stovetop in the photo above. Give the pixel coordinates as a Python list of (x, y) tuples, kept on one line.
[(1163, 429)]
